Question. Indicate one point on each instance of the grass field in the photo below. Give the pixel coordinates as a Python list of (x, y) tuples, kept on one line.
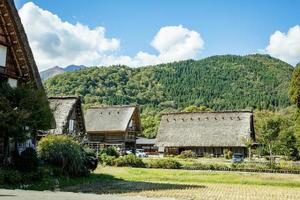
[(182, 184)]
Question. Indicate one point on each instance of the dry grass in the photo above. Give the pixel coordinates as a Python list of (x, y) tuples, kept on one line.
[(182, 184)]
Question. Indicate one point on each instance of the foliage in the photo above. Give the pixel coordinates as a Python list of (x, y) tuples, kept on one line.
[(258, 81), (129, 161), (90, 158), (107, 160), (196, 109), (187, 154), (165, 163), (110, 151), (295, 86), (286, 143), (28, 160), (62, 151), (228, 154), (22, 107), (270, 133)]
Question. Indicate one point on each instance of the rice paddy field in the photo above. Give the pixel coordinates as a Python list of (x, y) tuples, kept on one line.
[(187, 184)]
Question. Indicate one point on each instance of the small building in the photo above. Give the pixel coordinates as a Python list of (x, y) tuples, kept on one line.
[(68, 115), (148, 145), (113, 126), (205, 132)]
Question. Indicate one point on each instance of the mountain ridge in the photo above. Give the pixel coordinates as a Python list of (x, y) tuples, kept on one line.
[(46, 74)]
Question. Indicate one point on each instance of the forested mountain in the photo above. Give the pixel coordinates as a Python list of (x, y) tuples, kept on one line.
[(220, 82)]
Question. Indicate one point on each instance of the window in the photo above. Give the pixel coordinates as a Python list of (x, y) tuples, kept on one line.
[(3, 52), (71, 125), (12, 82)]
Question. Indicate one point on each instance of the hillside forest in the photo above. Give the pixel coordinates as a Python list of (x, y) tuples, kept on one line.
[(253, 82)]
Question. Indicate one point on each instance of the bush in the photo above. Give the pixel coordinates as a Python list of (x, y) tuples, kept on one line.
[(63, 152), (28, 160), (228, 154), (12, 177), (129, 161), (110, 151), (165, 163), (2, 177), (188, 154), (107, 160), (206, 155), (90, 159)]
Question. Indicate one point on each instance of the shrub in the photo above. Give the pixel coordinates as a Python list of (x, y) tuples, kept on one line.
[(228, 154), (2, 177), (206, 155), (110, 151), (62, 151), (28, 160), (129, 161), (165, 163), (107, 160), (188, 154), (90, 159), (12, 177)]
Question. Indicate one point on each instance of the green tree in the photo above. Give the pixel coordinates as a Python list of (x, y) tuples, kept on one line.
[(295, 86), (295, 97), (23, 111), (270, 133), (194, 108), (248, 143)]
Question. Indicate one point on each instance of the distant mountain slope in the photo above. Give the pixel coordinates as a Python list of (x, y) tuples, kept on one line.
[(59, 70), (51, 72), (226, 82)]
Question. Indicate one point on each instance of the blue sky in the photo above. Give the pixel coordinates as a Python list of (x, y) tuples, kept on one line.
[(226, 27)]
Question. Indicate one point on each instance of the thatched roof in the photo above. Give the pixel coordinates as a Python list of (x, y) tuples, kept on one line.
[(62, 108), (206, 129), (142, 140), (110, 118), (19, 43)]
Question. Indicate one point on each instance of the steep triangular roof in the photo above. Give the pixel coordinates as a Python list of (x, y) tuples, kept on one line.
[(206, 129), (106, 119), (17, 43), (62, 108)]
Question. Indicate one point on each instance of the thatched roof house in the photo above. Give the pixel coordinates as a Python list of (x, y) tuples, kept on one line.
[(205, 132), (113, 125), (68, 115), (17, 65)]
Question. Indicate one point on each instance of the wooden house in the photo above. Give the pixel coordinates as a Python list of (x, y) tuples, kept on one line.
[(209, 133), (148, 145), (68, 115), (17, 64), (113, 126)]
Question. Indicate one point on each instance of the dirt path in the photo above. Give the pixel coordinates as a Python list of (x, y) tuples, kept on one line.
[(47, 195)]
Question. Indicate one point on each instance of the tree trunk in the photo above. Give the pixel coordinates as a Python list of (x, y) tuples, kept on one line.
[(271, 156), (249, 152)]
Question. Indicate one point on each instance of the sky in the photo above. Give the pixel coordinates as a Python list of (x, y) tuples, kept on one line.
[(146, 32)]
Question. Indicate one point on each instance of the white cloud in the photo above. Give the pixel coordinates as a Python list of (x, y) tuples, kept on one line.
[(56, 42), (285, 46)]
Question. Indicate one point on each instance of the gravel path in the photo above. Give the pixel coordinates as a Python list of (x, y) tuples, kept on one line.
[(48, 195)]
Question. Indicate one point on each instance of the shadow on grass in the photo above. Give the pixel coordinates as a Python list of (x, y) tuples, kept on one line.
[(107, 184)]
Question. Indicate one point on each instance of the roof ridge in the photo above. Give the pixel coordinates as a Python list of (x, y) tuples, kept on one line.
[(208, 112), (64, 97), (113, 106)]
